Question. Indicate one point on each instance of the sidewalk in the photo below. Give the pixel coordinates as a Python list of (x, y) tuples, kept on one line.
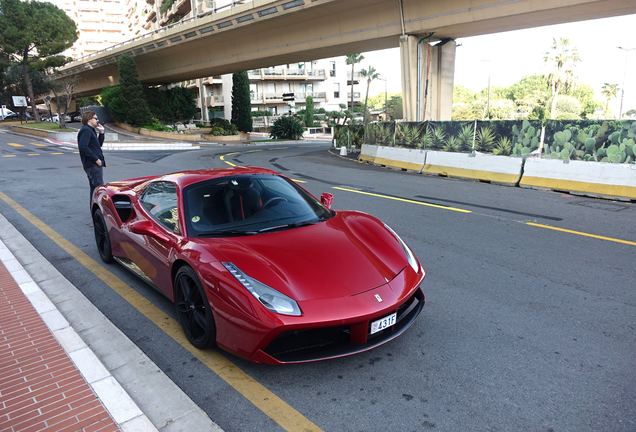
[(53, 380)]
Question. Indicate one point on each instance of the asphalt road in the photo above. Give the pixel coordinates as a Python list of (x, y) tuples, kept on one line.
[(525, 328)]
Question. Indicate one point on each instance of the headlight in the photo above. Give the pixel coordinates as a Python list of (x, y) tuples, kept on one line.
[(410, 257), (269, 297)]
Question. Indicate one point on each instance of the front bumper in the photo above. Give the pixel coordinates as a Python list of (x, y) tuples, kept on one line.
[(328, 328)]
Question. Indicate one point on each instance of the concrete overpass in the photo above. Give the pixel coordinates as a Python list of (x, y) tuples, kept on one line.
[(268, 32)]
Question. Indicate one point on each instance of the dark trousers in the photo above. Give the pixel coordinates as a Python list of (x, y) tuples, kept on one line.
[(95, 176)]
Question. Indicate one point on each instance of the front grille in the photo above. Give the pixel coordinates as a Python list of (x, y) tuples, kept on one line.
[(328, 342)]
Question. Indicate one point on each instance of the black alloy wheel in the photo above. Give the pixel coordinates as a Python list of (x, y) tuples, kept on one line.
[(101, 237), (193, 309)]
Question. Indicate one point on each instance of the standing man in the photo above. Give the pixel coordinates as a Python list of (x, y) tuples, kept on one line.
[(89, 141)]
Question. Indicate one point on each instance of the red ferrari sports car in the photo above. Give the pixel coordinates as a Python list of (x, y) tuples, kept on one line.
[(257, 265)]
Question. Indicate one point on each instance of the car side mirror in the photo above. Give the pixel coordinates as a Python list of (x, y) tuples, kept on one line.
[(326, 199), (146, 228)]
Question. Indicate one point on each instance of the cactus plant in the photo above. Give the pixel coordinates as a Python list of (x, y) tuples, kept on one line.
[(485, 139), (503, 146), (452, 144)]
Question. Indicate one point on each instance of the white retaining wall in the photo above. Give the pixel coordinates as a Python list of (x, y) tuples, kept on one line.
[(595, 178), (498, 169)]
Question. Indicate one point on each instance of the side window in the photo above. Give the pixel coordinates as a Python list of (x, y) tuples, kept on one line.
[(160, 201)]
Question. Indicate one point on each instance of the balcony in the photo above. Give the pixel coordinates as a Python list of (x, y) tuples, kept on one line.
[(178, 9), (356, 96), (275, 98), (285, 74), (213, 80), (215, 100)]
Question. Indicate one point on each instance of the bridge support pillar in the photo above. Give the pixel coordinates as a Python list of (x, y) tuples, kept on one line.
[(203, 96), (427, 78)]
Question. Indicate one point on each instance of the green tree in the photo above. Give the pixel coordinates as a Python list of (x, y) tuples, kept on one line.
[(353, 59), (136, 110), (371, 75), (308, 115), (585, 94), (562, 59), (394, 107), (33, 34), (609, 92), (241, 102)]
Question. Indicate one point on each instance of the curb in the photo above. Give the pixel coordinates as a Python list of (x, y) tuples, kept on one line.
[(123, 410), (150, 402)]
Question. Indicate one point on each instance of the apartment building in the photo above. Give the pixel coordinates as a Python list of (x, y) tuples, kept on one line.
[(108, 22), (100, 24)]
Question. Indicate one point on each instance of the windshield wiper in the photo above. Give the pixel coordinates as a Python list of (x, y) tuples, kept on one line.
[(226, 233), (289, 225)]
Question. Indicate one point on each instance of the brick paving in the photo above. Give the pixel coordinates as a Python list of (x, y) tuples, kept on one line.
[(40, 387)]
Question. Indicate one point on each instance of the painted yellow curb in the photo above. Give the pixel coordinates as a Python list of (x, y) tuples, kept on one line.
[(621, 191), (495, 177), (398, 164)]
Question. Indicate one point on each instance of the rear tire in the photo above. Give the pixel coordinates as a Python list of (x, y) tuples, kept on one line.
[(102, 239), (193, 309)]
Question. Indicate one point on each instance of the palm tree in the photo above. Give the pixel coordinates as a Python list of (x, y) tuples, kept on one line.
[(609, 91), (562, 57), (371, 75), (352, 59)]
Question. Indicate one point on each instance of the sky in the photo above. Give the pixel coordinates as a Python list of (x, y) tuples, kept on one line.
[(511, 55)]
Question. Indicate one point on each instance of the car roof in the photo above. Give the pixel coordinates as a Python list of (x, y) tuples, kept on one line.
[(186, 178)]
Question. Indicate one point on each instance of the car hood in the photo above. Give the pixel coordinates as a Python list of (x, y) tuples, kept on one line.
[(348, 254)]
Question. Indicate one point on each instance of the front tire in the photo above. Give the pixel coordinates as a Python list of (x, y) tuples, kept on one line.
[(102, 239), (193, 309)]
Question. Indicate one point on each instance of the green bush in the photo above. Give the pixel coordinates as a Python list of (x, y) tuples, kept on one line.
[(221, 127), (158, 126), (287, 128), (113, 99), (171, 105), (259, 113)]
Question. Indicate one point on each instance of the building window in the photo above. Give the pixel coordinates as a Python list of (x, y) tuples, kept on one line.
[(332, 69), (336, 91)]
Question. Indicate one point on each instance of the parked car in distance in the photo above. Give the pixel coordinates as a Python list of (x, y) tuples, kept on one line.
[(56, 118)]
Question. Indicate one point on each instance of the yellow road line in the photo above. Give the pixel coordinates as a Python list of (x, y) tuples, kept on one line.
[(269, 403), (584, 234), (253, 151), (33, 154), (15, 145), (298, 181), (56, 153), (455, 209), (8, 156), (228, 162), (40, 145)]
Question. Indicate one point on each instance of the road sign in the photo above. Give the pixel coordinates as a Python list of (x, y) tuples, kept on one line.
[(288, 97), (19, 101)]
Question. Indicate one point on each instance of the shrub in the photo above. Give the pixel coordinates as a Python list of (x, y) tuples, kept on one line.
[(156, 125), (287, 128), (222, 127), (113, 99)]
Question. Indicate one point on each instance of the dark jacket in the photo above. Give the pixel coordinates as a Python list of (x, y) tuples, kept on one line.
[(89, 142)]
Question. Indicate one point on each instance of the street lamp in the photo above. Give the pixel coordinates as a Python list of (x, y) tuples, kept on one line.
[(627, 51)]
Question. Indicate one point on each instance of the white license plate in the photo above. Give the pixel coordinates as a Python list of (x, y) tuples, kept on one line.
[(383, 323)]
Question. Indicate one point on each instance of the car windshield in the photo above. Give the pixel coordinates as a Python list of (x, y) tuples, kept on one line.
[(247, 205)]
